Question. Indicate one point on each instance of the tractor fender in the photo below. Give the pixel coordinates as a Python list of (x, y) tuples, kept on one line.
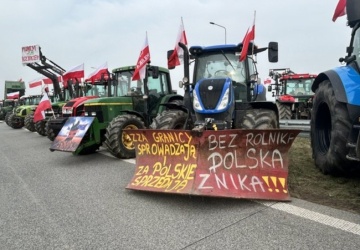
[(134, 112), (344, 81)]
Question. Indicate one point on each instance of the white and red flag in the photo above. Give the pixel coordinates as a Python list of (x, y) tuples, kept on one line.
[(76, 72), (13, 95), (144, 58), (340, 10), (176, 57), (36, 82), (44, 104), (96, 75), (249, 36), (49, 81)]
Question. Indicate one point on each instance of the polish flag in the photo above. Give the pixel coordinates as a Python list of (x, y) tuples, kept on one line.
[(176, 57), (340, 10), (49, 81), (96, 75), (35, 83), (144, 58), (267, 81), (44, 104), (13, 95), (250, 36), (76, 72)]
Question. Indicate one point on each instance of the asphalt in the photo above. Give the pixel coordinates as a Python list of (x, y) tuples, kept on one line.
[(55, 200)]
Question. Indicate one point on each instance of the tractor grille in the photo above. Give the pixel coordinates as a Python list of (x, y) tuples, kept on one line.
[(210, 92)]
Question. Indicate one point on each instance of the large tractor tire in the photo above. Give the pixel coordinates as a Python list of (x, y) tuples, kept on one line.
[(117, 141), (50, 133), (330, 127), (15, 123), (169, 119), (284, 111), (29, 122), (7, 117), (40, 127), (260, 119)]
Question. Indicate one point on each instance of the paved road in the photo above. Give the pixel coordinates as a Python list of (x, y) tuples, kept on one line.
[(54, 200)]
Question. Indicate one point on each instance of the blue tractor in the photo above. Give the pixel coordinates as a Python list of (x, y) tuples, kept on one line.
[(224, 94), (335, 119)]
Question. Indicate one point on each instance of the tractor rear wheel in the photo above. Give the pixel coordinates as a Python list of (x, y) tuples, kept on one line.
[(260, 119), (50, 133), (29, 122), (40, 127), (284, 111), (169, 119), (117, 141), (330, 127)]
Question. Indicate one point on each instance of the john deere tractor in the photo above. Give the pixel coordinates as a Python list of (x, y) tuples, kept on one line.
[(132, 104)]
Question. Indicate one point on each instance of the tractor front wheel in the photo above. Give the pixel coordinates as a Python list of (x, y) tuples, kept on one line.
[(329, 129), (15, 123), (50, 133), (29, 122), (260, 119), (169, 119), (117, 140), (7, 117), (40, 127)]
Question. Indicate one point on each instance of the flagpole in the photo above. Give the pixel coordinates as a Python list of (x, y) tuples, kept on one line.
[(253, 45)]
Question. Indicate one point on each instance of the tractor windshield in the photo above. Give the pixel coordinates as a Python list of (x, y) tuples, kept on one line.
[(126, 86), (96, 90), (299, 87), (220, 65)]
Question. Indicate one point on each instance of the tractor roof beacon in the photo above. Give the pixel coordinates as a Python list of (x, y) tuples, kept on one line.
[(224, 93), (335, 121)]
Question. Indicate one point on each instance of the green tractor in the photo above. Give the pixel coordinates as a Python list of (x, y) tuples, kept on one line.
[(7, 108), (133, 105), (27, 104)]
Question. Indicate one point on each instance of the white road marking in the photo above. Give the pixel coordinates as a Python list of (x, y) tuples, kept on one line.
[(315, 216)]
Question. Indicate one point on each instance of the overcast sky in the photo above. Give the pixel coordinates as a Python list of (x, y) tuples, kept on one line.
[(72, 32)]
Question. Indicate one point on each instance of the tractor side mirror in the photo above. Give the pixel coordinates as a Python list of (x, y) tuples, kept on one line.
[(273, 52), (269, 88), (169, 53)]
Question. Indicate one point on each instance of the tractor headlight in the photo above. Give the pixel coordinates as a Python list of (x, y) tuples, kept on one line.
[(93, 113), (224, 101), (196, 103), (86, 113), (67, 111)]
